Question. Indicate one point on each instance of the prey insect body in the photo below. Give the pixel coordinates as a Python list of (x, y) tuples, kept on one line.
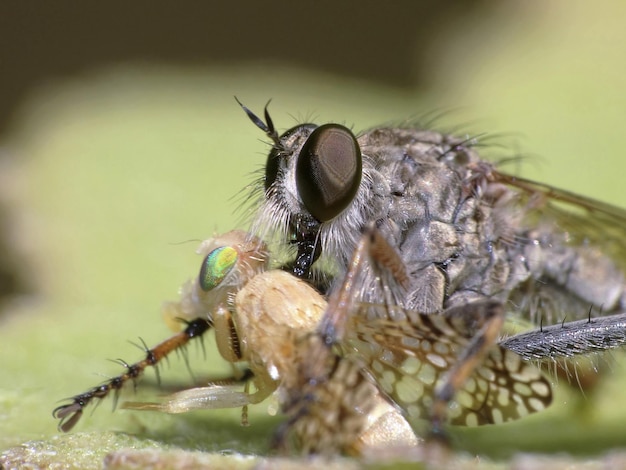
[(266, 319), (437, 368)]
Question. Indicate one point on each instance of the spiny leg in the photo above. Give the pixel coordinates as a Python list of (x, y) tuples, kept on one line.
[(570, 339), (71, 413), (573, 351), (372, 247), (491, 315)]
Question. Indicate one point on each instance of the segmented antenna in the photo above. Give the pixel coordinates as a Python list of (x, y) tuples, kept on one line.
[(267, 126)]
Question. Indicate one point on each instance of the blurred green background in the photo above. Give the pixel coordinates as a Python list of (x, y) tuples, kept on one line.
[(121, 145)]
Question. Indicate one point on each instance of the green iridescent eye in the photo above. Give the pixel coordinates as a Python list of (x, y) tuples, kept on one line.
[(216, 267)]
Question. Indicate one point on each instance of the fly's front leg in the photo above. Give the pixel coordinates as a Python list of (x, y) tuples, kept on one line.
[(372, 249), (488, 317)]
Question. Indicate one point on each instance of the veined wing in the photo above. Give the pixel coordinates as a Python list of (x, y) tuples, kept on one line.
[(583, 220), (410, 358)]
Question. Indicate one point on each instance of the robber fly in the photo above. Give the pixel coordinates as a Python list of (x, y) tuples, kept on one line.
[(466, 235)]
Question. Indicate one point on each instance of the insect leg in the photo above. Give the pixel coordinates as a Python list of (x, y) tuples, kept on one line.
[(492, 319), (70, 414), (213, 396), (570, 339), (226, 337), (372, 247)]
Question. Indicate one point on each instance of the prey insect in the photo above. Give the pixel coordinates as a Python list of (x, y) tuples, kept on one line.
[(347, 381), (264, 318)]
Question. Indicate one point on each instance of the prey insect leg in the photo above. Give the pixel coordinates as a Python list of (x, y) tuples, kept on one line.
[(71, 413), (222, 393), (230, 260)]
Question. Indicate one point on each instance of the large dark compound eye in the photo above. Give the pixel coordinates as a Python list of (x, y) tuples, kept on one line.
[(328, 171)]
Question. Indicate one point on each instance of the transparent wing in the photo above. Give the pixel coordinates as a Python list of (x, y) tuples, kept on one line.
[(584, 220), (409, 358)]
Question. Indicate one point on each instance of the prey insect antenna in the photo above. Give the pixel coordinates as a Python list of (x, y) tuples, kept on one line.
[(70, 414)]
